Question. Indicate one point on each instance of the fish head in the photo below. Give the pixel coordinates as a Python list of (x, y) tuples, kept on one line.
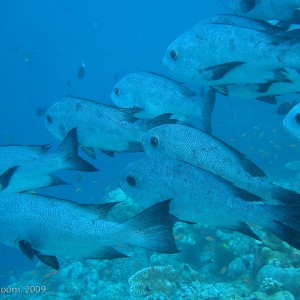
[(54, 120), (292, 122), (142, 181), (127, 90), (158, 141), (180, 57)]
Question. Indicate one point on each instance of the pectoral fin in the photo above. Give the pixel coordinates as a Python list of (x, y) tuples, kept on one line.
[(26, 248), (49, 260), (89, 151), (6, 177), (222, 89), (108, 253), (268, 99), (219, 71), (110, 153), (244, 229)]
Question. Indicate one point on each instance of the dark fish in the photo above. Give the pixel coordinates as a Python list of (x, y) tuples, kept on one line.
[(40, 111), (81, 71), (202, 197), (109, 128), (48, 227), (25, 168), (204, 151), (285, 107), (221, 48)]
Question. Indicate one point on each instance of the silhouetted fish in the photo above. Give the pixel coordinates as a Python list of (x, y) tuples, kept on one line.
[(41, 111), (81, 71), (285, 107)]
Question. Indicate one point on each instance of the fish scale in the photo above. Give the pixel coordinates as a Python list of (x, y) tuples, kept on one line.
[(205, 151), (202, 197), (47, 227), (204, 54), (108, 128)]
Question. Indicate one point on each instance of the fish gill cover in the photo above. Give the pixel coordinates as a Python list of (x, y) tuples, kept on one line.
[(87, 90)]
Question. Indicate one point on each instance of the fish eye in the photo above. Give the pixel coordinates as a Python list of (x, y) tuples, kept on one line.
[(154, 141), (297, 118), (131, 180), (173, 54), (117, 91), (49, 119)]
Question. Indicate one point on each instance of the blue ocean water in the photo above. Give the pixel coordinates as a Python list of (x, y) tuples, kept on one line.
[(43, 43)]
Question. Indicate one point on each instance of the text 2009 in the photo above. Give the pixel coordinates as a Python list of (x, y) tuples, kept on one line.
[(35, 289)]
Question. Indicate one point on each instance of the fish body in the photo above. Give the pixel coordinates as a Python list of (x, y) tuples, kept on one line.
[(28, 167), (202, 150), (50, 227), (291, 122), (102, 126), (221, 48), (81, 71), (156, 94), (202, 197), (286, 10)]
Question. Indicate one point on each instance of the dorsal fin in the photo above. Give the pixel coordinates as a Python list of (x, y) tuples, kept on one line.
[(249, 166), (100, 209)]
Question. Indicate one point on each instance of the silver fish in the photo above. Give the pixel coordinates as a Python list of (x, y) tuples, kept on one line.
[(221, 48), (156, 94), (202, 197), (49, 227), (202, 150), (28, 167), (102, 126), (291, 122), (287, 10)]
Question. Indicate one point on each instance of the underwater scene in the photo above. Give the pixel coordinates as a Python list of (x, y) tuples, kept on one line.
[(150, 149)]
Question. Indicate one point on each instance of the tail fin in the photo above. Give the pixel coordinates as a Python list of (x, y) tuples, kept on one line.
[(159, 120), (68, 149), (208, 102), (153, 229), (285, 196), (285, 224)]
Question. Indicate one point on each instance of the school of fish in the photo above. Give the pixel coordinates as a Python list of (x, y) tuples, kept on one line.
[(188, 174)]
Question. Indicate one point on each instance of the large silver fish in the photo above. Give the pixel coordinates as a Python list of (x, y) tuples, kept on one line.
[(156, 94), (287, 10), (202, 197), (228, 49), (28, 167), (202, 150), (292, 122), (49, 227), (102, 126)]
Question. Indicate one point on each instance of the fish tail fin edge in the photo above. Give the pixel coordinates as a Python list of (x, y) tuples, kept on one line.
[(286, 224), (153, 228)]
